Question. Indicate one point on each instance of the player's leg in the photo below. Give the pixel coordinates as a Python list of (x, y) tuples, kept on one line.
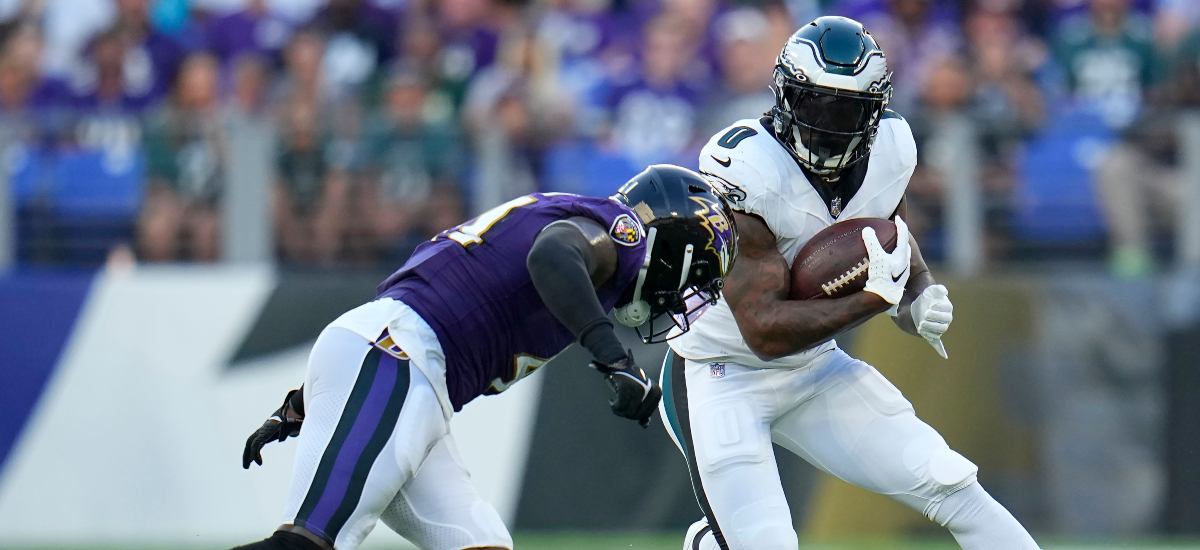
[(439, 508), (722, 424), (860, 428), (370, 421)]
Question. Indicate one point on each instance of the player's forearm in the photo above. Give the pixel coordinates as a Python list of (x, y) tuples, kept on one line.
[(560, 265), (916, 285), (785, 327), (920, 279)]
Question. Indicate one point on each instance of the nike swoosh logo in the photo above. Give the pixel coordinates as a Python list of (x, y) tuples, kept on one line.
[(725, 163), (896, 279)]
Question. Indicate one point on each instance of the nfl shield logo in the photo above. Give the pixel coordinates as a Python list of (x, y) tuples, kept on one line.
[(717, 370), (835, 207)]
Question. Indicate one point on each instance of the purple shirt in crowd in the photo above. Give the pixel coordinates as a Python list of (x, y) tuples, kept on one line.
[(244, 32), (480, 301)]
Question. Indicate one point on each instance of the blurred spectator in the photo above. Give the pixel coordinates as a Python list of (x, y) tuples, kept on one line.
[(947, 91), (102, 82), (151, 58), (589, 41), (470, 36), (655, 115), (302, 61), (1007, 106), (251, 78), (310, 195), (106, 112), (69, 25), (1007, 101), (359, 37), (916, 36), (747, 59), (513, 110), (410, 149), (250, 30), (1108, 59), (1140, 179), (185, 156), (1172, 21), (22, 86), (1185, 82)]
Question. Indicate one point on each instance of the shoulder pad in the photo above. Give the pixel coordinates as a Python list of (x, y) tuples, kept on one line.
[(896, 135), (739, 162)]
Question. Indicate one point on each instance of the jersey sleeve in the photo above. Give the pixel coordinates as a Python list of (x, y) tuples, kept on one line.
[(896, 167), (745, 174), (623, 226)]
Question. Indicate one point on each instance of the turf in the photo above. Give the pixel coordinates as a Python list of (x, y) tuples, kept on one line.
[(672, 542), (576, 541), (580, 541)]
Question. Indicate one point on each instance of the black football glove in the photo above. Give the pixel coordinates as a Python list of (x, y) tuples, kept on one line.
[(284, 423), (637, 395)]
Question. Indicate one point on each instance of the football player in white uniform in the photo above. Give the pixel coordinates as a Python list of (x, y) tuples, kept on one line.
[(757, 367)]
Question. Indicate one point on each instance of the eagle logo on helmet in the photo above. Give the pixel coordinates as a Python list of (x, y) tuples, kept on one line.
[(626, 231)]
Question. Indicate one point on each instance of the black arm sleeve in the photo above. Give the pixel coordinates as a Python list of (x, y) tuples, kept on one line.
[(560, 263)]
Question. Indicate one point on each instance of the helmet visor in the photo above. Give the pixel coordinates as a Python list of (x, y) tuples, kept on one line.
[(830, 112), (828, 126)]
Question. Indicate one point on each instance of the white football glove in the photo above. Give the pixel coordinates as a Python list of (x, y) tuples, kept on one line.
[(932, 313), (888, 273)]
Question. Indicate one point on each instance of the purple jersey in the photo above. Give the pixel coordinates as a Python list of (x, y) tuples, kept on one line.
[(471, 285)]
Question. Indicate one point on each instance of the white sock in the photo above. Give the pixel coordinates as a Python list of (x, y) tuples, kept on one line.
[(978, 522)]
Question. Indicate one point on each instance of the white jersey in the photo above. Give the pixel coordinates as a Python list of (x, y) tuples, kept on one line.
[(760, 177)]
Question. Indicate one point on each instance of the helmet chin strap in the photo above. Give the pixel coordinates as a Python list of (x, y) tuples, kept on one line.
[(637, 311)]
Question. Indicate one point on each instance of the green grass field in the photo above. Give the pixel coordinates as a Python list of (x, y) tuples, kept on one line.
[(577, 541), (673, 542)]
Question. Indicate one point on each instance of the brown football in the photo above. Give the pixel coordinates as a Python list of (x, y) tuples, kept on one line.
[(833, 263)]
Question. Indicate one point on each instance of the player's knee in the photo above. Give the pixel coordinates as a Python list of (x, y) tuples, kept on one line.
[(764, 525), (937, 466), (949, 469), (282, 540)]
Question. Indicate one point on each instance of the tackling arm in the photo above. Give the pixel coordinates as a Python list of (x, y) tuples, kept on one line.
[(757, 291), (569, 260)]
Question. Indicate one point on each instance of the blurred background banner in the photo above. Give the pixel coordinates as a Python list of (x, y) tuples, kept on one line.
[(191, 189), (128, 397)]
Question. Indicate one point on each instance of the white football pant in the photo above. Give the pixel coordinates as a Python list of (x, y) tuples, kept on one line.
[(376, 440), (840, 415)]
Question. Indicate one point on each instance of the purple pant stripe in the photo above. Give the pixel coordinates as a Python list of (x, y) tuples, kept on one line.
[(356, 441)]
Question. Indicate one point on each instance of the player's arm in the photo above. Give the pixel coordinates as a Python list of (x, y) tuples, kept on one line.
[(285, 422), (925, 310), (568, 261), (757, 290)]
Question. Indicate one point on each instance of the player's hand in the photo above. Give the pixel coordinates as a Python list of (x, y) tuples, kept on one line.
[(932, 314), (887, 274), (637, 395), (284, 423)]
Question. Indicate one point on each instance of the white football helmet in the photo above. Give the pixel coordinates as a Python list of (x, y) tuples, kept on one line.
[(831, 87)]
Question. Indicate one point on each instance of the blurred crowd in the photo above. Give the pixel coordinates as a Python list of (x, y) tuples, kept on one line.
[(397, 118)]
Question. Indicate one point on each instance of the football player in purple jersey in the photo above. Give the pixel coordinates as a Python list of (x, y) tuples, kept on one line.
[(473, 311)]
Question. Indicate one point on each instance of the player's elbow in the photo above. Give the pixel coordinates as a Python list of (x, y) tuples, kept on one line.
[(763, 345), (544, 255)]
